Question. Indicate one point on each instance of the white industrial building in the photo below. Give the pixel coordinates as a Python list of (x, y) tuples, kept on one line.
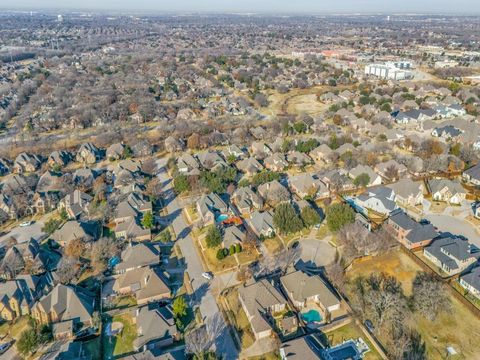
[(390, 70)]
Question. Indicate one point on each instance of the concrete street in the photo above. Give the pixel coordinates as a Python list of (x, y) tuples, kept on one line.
[(202, 295)]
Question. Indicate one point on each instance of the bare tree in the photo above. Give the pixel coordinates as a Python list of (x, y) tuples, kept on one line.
[(67, 270), (429, 296)]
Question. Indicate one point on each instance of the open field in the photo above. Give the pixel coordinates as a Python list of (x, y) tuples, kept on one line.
[(459, 328), (394, 263)]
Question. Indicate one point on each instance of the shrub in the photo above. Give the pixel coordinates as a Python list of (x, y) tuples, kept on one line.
[(232, 249), (238, 248)]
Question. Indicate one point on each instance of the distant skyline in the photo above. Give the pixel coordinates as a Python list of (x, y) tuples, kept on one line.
[(259, 6)]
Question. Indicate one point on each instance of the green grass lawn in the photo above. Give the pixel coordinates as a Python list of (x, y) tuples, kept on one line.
[(123, 342), (122, 302), (20, 325)]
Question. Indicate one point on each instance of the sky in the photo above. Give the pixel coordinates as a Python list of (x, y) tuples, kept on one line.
[(260, 6)]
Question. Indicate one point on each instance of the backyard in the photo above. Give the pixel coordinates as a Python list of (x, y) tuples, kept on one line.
[(347, 332), (458, 329), (121, 343), (240, 321)]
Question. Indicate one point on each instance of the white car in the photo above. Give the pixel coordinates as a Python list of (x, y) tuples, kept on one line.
[(207, 275), (26, 223)]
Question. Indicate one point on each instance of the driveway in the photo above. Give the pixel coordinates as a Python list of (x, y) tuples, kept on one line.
[(455, 226), (202, 295), (316, 253)]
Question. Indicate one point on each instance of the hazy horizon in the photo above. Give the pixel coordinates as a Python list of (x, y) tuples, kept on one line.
[(265, 6)]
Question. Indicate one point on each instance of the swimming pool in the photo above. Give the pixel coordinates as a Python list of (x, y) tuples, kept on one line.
[(221, 217), (312, 316)]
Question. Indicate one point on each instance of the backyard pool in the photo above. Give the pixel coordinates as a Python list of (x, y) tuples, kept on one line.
[(221, 218), (312, 316)]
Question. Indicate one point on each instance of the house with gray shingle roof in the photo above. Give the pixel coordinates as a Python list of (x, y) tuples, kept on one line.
[(138, 255), (472, 175), (298, 158), (323, 153), (307, 185), (380, 200), (86, 231), (188, 165), (260, 300), (276, 162), (147, 284), (211, 205), (233, 235), (447, 190), (408, 192), (375, 179), (88, 153), (155, 328), (261, 223), (302, 289), (250, 166), (385, 167), (451, 254), (408, 232), (471, 281), (76, 203), (65, 303), (302, 348), (246, 200), (26, 162)]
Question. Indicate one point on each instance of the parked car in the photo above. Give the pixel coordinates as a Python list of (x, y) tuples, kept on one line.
[(5, 346), (207, 275), (26, 223)]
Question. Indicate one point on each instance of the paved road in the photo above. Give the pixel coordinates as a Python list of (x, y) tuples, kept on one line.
[(202, 292), (10, 354)]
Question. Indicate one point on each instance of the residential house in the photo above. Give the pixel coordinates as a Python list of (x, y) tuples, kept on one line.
[(472, 175), (155, 328), (408, 192), (7, 205), (302, 348), (132, 229), (304, 289), (85, 231), (65, 303), (26, 163), (380, 200), (88, 153), (269, 190), (347, 147), (233, 235), (188, 165), (235, 151), (261, 223), (260, 300), (4, 166), (147, 284), (306, 185), (172, 144), (59, 158), (84, 178), (471, 281), (275, 162), (447, 132), (391, 170), (451, 254), (322, 153), (209, 206), (414, 116), (250, 166), (16, 299), (374, 178), (246, 200), (76, 204), (447, 190), (260, 149), (115, 151), (298, 158), (211, 160), (138, 255), (408, 232)]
